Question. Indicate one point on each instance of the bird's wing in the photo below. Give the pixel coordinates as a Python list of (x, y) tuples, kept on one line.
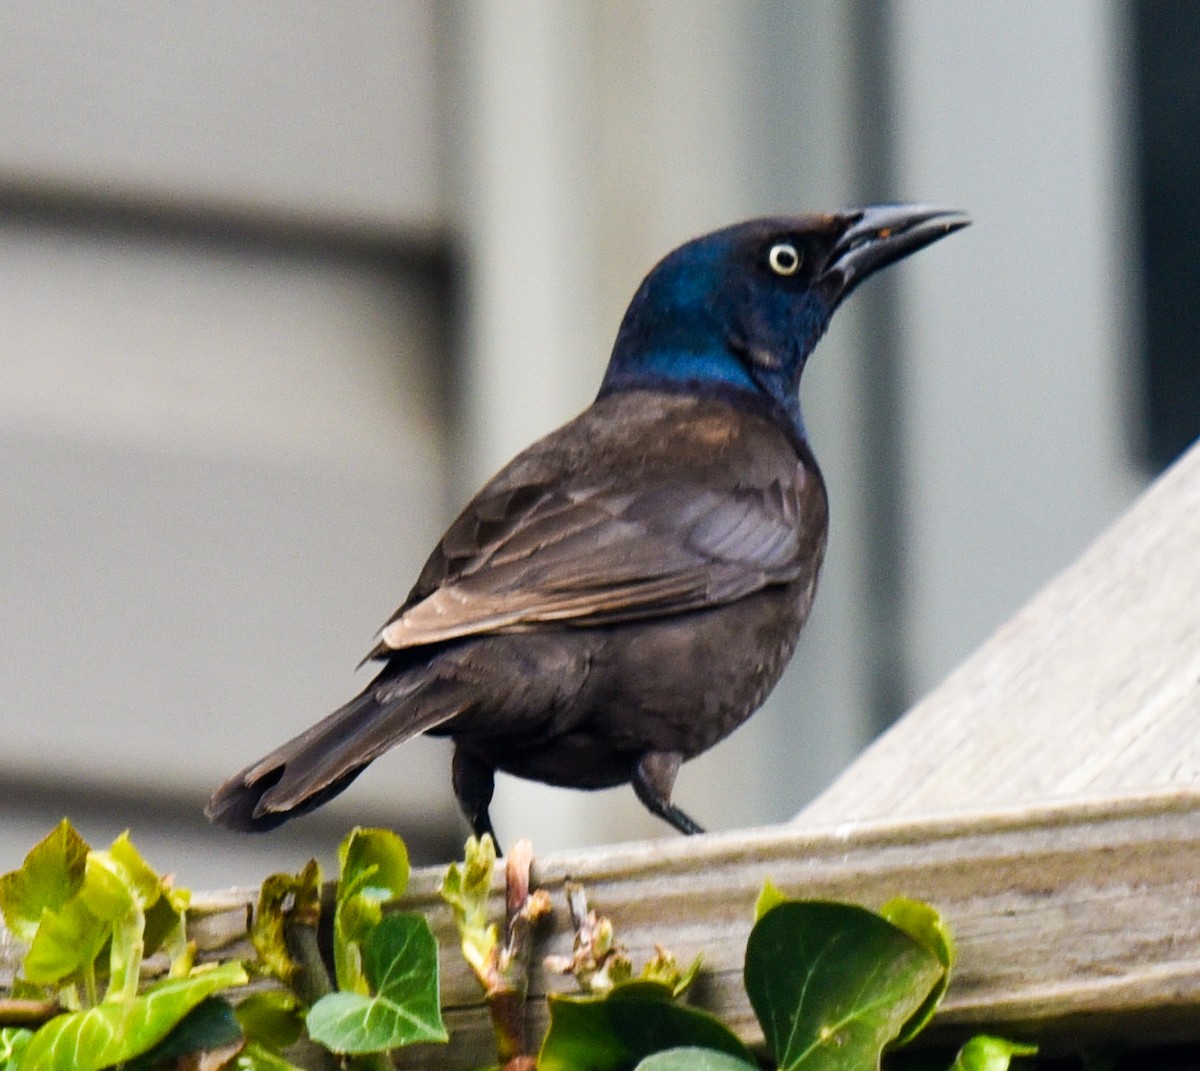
[(528, 555)]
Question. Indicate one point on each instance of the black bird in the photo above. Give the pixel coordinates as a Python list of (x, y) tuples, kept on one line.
[(626, 591)]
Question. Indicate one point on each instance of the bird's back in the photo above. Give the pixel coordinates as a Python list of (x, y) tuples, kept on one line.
[(647, 503)]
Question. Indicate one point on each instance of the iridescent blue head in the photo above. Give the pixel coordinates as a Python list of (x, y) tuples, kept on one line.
[(738, 311)]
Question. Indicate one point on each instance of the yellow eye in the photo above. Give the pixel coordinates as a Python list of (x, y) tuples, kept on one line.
[(784, 259)]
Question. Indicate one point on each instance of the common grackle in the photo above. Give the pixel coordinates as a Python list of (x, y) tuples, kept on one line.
[(627, 590)]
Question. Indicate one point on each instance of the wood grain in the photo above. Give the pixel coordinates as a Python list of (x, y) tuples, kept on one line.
[(1092, 690)]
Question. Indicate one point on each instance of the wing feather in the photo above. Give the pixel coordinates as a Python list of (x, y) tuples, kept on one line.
[(594, 556)]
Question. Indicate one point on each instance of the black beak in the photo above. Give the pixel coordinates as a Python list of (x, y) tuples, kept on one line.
[(881, 235)]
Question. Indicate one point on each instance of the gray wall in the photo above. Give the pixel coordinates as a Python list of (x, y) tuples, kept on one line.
[(240, 393)]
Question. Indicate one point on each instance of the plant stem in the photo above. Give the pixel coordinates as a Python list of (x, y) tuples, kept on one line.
[(312, 981), (15, 1011), (90, 995), (506, 994)]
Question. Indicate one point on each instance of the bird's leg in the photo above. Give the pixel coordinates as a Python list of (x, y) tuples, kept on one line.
[(653, 780), (474, 782)]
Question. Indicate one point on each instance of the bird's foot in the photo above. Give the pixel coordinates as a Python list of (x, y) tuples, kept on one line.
[(474, 783), (653, 779)]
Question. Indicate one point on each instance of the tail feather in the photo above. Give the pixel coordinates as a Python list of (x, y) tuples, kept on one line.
[(322, 761)]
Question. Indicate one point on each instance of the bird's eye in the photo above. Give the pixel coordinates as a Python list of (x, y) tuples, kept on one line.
[(784, 258)]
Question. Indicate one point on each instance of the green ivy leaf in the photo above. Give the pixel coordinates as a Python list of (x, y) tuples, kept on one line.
[(163, 905), (119, 1030), (210, 1029), (107, 890), (769, 896), (631, 1023), (281, 897), (923, 924), (255, 1057), (67, 941), (165, 928), (986, 1053), (273, 1018), (373, 871), (687, 1058), (373, 863), (401, 966), (90, 899), (13, 1042), (833, 983), (141, 877), (113, 892), (466, 889), (50, 875)]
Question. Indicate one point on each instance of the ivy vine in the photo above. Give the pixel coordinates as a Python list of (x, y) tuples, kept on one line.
[(835, 987)]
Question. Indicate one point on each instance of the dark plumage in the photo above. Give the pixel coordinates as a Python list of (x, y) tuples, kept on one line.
[(625, 592)]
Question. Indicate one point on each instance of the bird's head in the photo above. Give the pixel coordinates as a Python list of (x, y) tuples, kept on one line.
[(739, 310)]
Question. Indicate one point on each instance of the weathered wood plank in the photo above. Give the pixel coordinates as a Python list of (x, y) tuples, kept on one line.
[(1069, 919), (1093, 690)]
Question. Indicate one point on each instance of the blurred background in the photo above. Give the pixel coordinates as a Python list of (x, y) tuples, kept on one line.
[(281, 284)]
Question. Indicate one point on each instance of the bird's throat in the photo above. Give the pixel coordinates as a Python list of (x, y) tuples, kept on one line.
[(716, 365)]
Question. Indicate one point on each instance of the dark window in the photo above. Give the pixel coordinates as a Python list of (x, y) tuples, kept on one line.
[(1167, 72)]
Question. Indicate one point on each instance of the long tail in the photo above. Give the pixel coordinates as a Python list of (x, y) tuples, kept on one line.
[(322, 761)]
